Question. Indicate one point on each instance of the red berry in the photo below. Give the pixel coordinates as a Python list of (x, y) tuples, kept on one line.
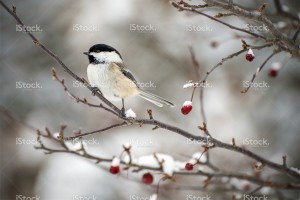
[(275, 67), (186, 107), (114, 169), (147, 178), (273, 72), (189, 166), (246, 186), (250, 55)]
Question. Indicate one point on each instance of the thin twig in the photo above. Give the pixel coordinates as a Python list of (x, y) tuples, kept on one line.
[(12, 116), (196, 68), (281, 12), (77, 99), (191, 9), (98, 131), (258, 70), (296, 34)]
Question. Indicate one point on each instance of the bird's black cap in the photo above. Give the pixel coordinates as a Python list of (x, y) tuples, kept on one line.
[(97, 48), (103, 48)]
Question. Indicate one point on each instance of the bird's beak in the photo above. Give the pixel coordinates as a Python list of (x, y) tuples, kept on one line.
[(86, 53)]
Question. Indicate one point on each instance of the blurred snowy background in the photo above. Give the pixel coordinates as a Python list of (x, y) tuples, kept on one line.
[(160, 56)]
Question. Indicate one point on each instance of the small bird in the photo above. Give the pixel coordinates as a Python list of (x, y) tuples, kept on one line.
[(108, 75)]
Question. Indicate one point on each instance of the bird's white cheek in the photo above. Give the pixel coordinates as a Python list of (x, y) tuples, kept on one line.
[(107, 57), (99, 57)]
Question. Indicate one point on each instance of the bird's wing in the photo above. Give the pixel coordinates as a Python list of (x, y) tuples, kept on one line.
[(126, 72)]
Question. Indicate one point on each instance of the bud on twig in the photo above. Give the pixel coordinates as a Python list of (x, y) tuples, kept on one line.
[(262, 8), (53, 71)]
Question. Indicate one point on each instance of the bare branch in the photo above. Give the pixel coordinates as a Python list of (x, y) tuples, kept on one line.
[(283, 13), (296, 34), (276, 36), (98, 131), (77, 99), (199, 172), (12, 116), (196, 68), (191, 9)]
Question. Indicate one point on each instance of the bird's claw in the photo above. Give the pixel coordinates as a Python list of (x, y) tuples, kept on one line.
[(95, 90), (122, 112)]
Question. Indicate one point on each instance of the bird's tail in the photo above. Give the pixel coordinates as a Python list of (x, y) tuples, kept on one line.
[(159, 101)]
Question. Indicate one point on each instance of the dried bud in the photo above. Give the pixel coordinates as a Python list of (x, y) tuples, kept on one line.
[(244, 45), (53, 71), (262, 8)]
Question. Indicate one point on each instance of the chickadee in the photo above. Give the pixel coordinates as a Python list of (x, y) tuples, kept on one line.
[(108, 75)]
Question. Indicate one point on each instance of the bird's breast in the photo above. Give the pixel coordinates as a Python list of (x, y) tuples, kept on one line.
[(112, 83)]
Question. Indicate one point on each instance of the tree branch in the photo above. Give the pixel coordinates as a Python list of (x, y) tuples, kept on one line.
[(279, 39), (157, 123)]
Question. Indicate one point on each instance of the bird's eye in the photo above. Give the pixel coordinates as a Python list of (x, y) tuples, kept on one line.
[(98, 51)]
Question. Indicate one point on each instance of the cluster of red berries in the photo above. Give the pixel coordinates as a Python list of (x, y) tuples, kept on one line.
[(115, 169), (275, 67), (187, 105)]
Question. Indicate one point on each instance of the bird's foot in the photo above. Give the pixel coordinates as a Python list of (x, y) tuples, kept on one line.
[(95, 90), (122, 112)]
